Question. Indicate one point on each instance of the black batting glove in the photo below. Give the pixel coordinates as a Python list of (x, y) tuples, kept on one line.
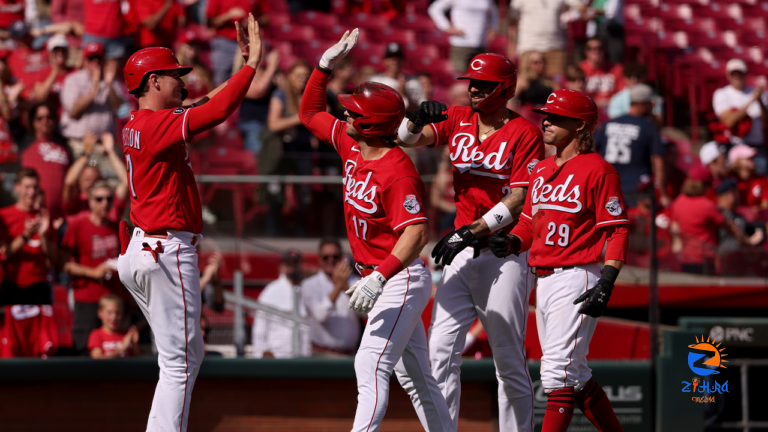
[(450, 246), (596, 298), (503, 245), (428, 112)]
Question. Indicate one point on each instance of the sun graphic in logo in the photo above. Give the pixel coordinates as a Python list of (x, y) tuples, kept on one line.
[(706, 349)]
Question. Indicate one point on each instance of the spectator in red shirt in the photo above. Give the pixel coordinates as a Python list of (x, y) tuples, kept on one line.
[(104, 24), (222, 15), (29, 331), (28, 243), (48, 156), (10, 12), (603, 77), (28, 65), (155, 21), (83, 174), (109, 341), (695, 224), (752, 187), (9, 151), (50, 88), (89, 253)]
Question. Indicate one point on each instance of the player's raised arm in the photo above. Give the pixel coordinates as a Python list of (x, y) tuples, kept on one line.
[(313, 104), (412, 132)]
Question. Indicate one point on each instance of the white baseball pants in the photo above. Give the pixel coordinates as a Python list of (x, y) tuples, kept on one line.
[(168, 292), (394, 339), (564, 333), (497, 291)]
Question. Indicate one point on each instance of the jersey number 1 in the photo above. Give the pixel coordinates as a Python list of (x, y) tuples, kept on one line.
[(363, 227), (129, 164), (563, 231)]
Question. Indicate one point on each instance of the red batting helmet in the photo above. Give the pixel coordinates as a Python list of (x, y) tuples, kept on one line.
[(495, 68), (148, 60), (571, 103), (382, 109)]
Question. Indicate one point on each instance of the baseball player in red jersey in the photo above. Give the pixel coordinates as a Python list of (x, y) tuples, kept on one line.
[(574, 206), (492, 150), (159, 264), (387, 230)]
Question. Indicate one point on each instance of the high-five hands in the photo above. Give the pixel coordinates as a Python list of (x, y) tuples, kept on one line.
[(339, 50), (250, 45)]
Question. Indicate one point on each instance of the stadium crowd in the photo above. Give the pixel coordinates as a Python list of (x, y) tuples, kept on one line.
[(63, 101)]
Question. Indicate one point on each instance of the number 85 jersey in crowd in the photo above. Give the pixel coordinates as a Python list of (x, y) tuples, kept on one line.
[(567, 209)]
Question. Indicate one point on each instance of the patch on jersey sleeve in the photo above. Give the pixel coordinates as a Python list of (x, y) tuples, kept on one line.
[(178, 110), (532, 165), (411, 204), (613, 206)]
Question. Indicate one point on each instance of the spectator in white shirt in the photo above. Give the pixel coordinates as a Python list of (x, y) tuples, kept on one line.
[(737, 101), (535, 27), (334, 328), (272, 336), (472, 24), (408, 87)]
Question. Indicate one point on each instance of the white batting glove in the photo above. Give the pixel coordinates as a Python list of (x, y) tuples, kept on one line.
[(340, 50), (364, 293)]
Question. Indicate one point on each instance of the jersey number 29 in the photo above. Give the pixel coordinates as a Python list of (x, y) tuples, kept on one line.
[(563, 232)]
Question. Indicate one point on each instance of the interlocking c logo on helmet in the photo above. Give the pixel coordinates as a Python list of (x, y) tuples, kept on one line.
[(551, 98), (472, 65)]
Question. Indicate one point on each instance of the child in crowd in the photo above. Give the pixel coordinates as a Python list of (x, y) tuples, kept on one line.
[(109, 341)]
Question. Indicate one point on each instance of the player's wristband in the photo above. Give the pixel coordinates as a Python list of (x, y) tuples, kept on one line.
[(390, 267), (498, 217), (406, 136), (610, 273)]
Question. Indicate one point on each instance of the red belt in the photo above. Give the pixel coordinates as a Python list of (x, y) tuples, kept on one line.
[(162, 234), (543, 272), (365, 270)]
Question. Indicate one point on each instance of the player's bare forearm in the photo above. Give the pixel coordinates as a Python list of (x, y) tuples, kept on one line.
[(514, 201), (411, 243)]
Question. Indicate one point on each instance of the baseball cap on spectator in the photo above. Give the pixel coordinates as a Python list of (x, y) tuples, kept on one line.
[(728, 183), (709, 152), (4, 53), (394, 50), (189, 36), (735, 65), (18, 29), (740, 151), (700, 173), (640, 93), (57, 41), (93, 49), (291, 256)]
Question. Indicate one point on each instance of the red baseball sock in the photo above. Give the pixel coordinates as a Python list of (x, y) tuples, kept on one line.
[(559, 410), (593, 402)]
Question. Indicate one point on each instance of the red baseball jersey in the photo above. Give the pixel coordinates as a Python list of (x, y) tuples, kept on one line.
[(753, 192), (91, 245), (566, 208), (51, 161), (108, 342), (29, 331), (484, 173), (162, 185)]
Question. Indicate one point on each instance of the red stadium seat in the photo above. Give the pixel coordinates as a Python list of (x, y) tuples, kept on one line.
[(336, 32), (758, 10), (754, 39), (438, 68), (413, 22), (313, 50), (401, 37), (277, 19), (437, 38), (643, 25), (366, 21), (498, 45), (690, 2), (292, 33), (415, 51), (712, 39), (674, 11), (316, 19), (280, 6), (670, 40), (719, 11), (692, 25), (745, 24), (366, 53), (338, 7), (284, 48)]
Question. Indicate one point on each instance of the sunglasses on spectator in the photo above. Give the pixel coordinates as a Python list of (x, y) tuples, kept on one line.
[(102, 198), (94, 58), (327, 257)]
